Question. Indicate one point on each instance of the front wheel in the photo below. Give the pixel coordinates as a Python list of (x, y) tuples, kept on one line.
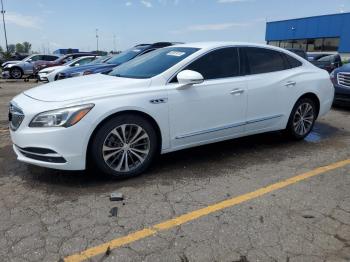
[(124, 146), (16, 73), (302, 119)]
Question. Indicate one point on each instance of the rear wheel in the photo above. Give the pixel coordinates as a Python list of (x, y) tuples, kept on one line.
[(124, 146), (302, 119), (16, 73)]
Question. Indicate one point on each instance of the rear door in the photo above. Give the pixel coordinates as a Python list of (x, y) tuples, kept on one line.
[(272, 78)]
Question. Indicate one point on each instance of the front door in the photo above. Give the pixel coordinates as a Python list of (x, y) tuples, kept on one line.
[(211, 111)]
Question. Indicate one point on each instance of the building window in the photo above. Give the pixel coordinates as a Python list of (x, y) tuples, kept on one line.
[(300, 44), (331, 44), (310, 45), (274, 43)]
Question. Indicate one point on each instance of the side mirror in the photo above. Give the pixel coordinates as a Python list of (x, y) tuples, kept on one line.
[(189, 77), (77, 64), (29, 60)]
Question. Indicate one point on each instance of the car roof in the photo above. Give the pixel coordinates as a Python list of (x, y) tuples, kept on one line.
[(211, 45)]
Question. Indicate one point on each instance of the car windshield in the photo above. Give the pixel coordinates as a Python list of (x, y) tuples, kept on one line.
[(126, 55), (100, 60), (326, 58), (27, 58), (153, 63), (72, 61)]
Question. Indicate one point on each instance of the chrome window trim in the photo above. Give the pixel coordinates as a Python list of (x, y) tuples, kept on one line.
[(239, 57)]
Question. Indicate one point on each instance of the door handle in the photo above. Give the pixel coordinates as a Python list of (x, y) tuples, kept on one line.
[(290, 83), (237, 91)]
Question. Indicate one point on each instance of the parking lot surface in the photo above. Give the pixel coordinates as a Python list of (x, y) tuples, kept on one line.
[(48, 215)]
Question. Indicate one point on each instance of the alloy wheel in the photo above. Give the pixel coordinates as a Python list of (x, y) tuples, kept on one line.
[(16, 73), (303, 119), (126, 147)]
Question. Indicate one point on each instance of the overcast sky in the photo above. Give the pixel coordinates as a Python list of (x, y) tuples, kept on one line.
[(53, 24)]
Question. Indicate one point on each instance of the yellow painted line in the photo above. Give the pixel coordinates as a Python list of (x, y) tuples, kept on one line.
[(118, 242)]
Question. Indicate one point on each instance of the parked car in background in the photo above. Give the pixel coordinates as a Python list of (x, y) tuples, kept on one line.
[(17, 70), (325, 60), (50, 74), (16, 57), (167, 100), (60, 61), (341, 80), (299, 52), (113, 62)]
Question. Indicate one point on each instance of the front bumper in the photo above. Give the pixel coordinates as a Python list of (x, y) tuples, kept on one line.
[(67, 154), (51, 147), (5, 74), (342, 94), (42, 77)]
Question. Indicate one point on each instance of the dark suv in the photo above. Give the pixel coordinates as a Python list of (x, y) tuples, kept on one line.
[(341, 80), (116, 60), (326, 61)]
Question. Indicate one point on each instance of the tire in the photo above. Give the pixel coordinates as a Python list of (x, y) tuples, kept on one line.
[(128, 155), (302, 119), (16, 73)]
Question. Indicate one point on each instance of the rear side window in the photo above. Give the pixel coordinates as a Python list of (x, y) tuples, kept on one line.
[(262, 60), (50, 58), (292, 61), (217, 64)]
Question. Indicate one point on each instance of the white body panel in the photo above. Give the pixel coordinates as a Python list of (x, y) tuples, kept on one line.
[(48, 74), (186, 117)]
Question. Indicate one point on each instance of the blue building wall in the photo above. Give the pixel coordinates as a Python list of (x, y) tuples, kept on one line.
[(337, 25)]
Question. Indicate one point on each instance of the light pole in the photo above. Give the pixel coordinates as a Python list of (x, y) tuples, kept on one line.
[(96, 39), (114, 42), (3, 20)]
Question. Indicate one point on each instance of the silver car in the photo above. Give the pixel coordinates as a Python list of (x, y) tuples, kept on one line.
[(17, 69)]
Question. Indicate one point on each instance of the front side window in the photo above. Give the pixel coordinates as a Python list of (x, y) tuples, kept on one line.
[(50, 58), (153, 63), (220, 63), (262, 60), (36, 58)]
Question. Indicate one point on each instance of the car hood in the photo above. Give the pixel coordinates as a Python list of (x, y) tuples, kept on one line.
[(345, 68), (11, 62), (86, 87), (51, 68)]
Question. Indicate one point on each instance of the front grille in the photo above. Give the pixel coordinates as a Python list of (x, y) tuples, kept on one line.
[(16, 117), (344, 79)]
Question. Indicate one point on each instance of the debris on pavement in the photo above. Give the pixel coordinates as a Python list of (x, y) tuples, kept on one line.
[(242, 259), (108, 251), (116, 197), (114, 212)]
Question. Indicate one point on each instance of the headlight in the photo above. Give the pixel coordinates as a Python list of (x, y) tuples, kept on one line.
[(47, 71), (64, 117), (76, 74), (87, 72)]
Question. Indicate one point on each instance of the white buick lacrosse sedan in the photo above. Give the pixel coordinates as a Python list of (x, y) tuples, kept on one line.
[(169, 99)]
